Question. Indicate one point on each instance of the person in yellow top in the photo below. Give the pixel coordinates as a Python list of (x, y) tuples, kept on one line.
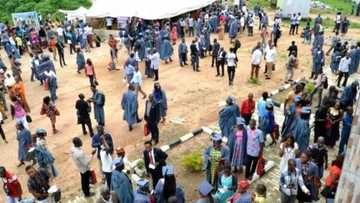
[(260, 194)]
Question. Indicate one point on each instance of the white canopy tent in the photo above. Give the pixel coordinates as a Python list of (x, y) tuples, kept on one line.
[(289, 7), (145, 9), (79, 13)]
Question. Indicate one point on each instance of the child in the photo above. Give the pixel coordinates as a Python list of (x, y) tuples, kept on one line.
[(49, 109), (260, 194)]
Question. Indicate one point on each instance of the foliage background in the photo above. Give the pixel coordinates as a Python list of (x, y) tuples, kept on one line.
[(46, 8)]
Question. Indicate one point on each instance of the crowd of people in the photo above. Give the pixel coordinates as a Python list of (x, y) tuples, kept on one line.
[(303, 163)]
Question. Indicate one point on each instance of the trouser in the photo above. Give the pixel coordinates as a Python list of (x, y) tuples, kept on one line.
[(2, 132), (107, 178), (156, 73), (320, 91), (251, 163), (72, 48), (88, 123), (255, 70), (330, 200), (91, 79), (269, 68), (62, 59), (100, 116), (276, 38), (287, 199), (195, 62), (32, 74), (191, 31), (156, 175), (213, 60), (296, 28), (23, 121), (182, 59), (250, 30), (220, 64), (292, 30), (345, 134), (85, 183), (341, 75), (154, 130), (12, 199), (53, 93), (231, 73), (247, 118), (289, 74)]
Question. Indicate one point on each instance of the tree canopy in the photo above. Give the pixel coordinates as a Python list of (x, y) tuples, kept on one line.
[(43, 7)]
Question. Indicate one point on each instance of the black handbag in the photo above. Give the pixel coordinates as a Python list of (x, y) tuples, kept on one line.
[(28, 118), (57, 195)]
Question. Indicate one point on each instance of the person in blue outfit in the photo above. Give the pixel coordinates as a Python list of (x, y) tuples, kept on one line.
[(121, 183), (355, 59), (166, 49), (140, 47), (213, 155), (310, 175), (237, 145), (23, 136), (261, 105), (142, 193), (346, 129), (167, 187), (227, 116), (318, 57), (80, 60), (160, 97), (267, 124), (233, 30), (348, 96), (129, 104), (301, 128), (336, 57), (52, 83), (205, 189), (98, 99), (182, 50)]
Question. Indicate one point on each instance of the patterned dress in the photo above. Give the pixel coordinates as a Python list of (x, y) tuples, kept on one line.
[(238, 158), (215, 157)]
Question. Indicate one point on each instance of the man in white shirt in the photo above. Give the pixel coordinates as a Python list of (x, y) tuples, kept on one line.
[(256, 61), (60, 34), (231, 65), (106, 162), (109, 22), (270, 58), (191, 26), (155, 63), (344, 70), (137, 81)]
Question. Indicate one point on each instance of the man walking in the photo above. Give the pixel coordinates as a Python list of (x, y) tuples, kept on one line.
[(290, 66), (344, 70), (231, 65), (129, 105), (214, 52), (182, 53), (83, 110), (247, 108), (152, 117), (256, 61), (98, 99), (194, 52), (254, 148), (270, 58), (155, 63), (154, 159), (220, 63)]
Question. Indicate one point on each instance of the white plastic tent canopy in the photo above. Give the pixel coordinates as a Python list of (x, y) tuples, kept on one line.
[(145, 9), (290, 7), (79, 13)]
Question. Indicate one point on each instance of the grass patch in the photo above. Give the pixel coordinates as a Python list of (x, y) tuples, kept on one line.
[(254, 81), (344, 6), (327, 23), (262, 3)]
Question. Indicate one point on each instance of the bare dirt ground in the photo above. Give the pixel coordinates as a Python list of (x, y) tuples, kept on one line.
[(192, 96)]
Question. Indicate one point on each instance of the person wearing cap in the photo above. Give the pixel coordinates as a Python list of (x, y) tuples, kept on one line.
[(129, 105), (11, 185), (167, 187), (205, 189), (267, 124), (254, 148), (301, 128), (237, 145), (242, 195), (154, 160), (83, 110), (213, 155), (228, 115), (121, 183), (142, 193)]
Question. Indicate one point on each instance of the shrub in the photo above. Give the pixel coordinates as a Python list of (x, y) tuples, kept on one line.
[(309, 87), (193, 162)]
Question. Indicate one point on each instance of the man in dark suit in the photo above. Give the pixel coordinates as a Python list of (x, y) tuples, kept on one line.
[(154, 159), (194, 52), (152, 117), (215, 52)]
